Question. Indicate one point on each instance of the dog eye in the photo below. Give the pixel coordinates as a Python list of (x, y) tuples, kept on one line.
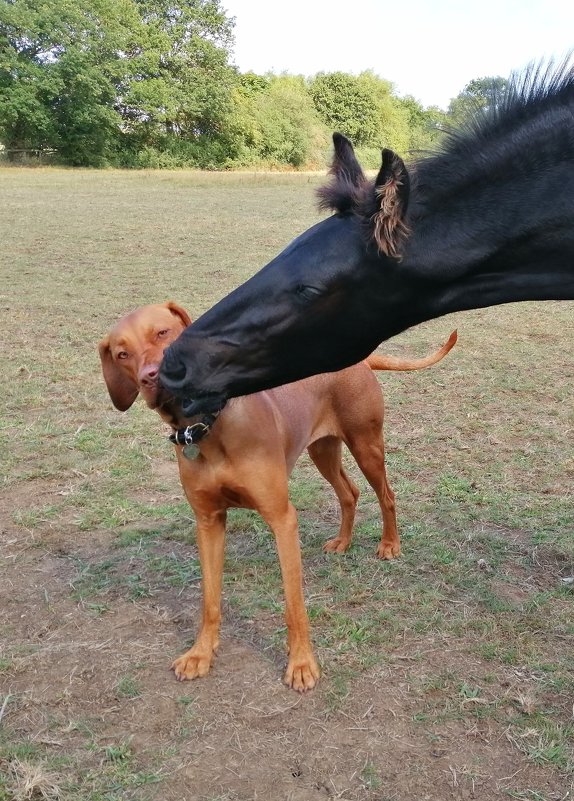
[(164, 332), (307, 292), (123, 354)]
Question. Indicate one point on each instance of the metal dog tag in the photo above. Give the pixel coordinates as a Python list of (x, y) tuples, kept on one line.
[(191, 451)]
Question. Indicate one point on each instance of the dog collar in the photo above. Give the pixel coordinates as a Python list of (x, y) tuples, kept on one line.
[(192, 434)]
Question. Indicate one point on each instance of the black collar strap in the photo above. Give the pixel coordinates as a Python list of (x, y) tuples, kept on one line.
[(195, 432)]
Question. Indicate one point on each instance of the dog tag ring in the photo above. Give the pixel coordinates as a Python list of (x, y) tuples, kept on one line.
[(191, 451)]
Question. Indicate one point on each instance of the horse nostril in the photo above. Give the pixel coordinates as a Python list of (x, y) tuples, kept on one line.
[(173, 370)]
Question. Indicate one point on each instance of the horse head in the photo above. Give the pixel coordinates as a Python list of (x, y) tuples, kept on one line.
[(329, 279), (488, 219)]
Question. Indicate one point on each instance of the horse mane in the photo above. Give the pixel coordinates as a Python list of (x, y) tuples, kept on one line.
[(509, 135), (527, 94), (523, 124)]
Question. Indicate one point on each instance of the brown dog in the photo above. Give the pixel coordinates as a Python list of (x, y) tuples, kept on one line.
[(246, 460)]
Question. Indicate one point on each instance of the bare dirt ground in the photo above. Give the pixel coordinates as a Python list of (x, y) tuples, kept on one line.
[(239, 734)]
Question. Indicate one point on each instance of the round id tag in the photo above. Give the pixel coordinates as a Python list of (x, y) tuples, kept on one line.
[(191, 451)]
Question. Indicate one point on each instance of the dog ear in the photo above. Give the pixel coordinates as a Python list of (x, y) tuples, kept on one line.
[(392, 187), (179, 311), (123, 390)]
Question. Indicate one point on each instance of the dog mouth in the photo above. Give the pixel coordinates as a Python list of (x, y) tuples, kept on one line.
[(151, 393), (168, 406)]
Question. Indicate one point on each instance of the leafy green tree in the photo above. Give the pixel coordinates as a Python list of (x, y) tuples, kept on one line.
[(425, 125), (277, 122), (392, 119), (479, 93), (26, 122), (365, 109), (87, 125), (291, 132), (344, 104), (58, 60), (180, 82), (244, 130), (93, 78)]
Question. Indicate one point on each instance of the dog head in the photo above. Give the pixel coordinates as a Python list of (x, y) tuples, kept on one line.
[(132, 352)]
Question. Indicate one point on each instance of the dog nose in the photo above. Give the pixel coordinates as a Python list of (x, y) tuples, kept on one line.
[(148, 375)]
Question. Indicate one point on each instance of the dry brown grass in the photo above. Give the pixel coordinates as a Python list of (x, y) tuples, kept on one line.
[(29, 782)]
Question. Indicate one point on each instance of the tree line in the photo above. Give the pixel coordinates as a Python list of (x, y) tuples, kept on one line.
[(150, 83)]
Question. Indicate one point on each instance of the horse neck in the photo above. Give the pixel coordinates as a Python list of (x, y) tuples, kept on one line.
[(500, 228)]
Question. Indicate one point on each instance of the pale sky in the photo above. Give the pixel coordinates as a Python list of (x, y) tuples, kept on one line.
[(428, 48)]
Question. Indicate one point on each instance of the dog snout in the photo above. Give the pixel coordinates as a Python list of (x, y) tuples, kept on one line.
[(148, 375)]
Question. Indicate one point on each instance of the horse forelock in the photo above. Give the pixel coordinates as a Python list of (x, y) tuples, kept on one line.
[(340, 195)]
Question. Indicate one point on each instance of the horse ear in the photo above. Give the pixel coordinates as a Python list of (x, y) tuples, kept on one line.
[(123, 389), (392, 187), (180, 312), (345, 164), (348, 178)]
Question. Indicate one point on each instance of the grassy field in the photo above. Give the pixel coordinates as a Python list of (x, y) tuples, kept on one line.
[(447, 674)]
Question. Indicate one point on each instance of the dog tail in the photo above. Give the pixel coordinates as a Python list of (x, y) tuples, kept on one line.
[(378, 361)]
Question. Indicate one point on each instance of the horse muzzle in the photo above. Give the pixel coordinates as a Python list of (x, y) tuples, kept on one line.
[(204, 404), (174, 377)]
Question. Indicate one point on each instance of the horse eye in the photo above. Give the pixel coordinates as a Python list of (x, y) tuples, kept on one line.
[(307, 292)]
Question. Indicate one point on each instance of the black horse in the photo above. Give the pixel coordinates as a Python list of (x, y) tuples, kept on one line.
[(487, 220)]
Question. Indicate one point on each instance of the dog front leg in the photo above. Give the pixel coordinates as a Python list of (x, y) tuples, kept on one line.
[(302, 670), (211, 543)]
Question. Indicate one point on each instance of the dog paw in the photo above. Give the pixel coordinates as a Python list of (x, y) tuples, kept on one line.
[(302, 674), (389, 550), (336, 545), (191, 666)]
